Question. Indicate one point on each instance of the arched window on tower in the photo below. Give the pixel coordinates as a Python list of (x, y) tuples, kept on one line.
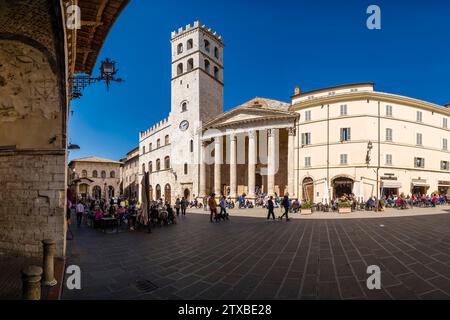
[(84, 174), (180, 48), (216, 73), (192, 145), (112, 174), (179, 69), (184, 107), (207, 65), (216, 52), (158, 143), (166, 139), (158, 164), (103, 174), (190, 64), (185, 168), (167, 162), (94, 174), (189, 44), (207, 45)]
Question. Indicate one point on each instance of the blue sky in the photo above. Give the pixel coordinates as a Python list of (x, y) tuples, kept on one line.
[(270, 47)]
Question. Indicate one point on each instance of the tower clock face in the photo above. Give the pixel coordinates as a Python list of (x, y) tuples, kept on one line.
[(184, 125)]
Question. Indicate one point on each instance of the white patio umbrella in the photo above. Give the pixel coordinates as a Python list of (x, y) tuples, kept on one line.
[(326, 194), (361, 191), (355, 190)]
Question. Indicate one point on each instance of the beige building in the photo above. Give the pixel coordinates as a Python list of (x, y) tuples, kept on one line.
[(369, 143), (320, 145), (129, 174), (94, 178)]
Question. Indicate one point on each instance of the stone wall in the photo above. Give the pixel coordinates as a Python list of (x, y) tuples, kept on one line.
[(32, 200)]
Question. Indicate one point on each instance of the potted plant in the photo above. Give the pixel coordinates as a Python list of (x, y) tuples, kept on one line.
[(344, 207), (306, 208)]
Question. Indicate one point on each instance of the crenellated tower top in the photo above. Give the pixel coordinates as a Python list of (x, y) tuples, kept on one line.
[(197, 25)]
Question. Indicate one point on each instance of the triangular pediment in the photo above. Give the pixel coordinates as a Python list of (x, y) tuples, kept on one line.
[(252, 112)]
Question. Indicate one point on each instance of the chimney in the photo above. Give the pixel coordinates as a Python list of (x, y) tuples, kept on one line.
[(297, 90)]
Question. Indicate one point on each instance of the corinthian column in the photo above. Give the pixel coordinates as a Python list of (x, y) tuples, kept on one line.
[(203, 170), (233, 166), (217, 166), (251, 163), (271, 162), (290, 161)]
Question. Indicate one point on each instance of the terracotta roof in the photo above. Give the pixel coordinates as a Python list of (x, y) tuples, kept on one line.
[(95, 159)]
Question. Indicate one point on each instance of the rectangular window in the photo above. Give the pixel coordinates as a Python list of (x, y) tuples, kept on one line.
[(343, 159), (444, 144), (444, 123), (343, 110), (445, 165), (308, 115), (143, 150), (307, 161), (388, 111), (345, 134), (306, 138), (419, 116), (419, 162), (388, 134), (419, 139), (389, 159)]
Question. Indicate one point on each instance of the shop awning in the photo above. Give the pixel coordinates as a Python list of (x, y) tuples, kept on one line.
[(391, 184), (420, 184)]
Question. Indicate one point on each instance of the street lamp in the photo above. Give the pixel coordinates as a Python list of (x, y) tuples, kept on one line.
[(108, 72), (369, 149)]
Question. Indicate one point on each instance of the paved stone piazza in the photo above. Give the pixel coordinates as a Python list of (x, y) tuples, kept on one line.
[(309, 257)]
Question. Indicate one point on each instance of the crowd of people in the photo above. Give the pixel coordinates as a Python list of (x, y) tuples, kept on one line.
[(129, 212)]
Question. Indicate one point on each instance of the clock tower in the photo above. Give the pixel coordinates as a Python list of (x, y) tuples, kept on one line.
[(196, 97)]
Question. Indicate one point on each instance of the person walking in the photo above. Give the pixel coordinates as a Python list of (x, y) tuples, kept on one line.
[(223, 208), (270, 206), (212, 207), (184, 204), (285, 204), (178, 206), (80, 211)]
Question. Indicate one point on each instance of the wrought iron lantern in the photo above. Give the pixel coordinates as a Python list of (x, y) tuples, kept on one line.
[(108, 73)]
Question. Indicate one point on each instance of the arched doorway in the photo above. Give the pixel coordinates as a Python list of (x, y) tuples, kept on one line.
[(308, 189), (110, 192), (83, 190), (341, 186), (187, 194), (150, 193), (167, 193), (158, 192), (97, 192)]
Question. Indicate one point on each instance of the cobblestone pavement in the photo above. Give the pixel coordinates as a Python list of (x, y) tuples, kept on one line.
[(250, 258)]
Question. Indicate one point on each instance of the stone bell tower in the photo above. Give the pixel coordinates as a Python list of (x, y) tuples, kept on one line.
[(197, 97)]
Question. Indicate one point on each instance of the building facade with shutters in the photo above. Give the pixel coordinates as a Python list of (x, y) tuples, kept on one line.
[(353, 139)]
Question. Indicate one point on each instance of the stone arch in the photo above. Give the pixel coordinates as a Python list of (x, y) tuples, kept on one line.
[(96, 192), (158, 192), (167, 193)]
